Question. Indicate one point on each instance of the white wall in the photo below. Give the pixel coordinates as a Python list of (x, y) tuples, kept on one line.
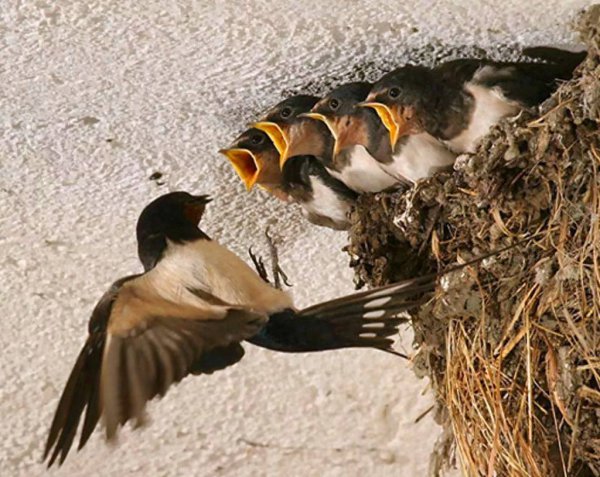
[(169, 83)]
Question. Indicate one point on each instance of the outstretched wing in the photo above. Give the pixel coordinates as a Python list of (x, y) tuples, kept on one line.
[(139, 345)]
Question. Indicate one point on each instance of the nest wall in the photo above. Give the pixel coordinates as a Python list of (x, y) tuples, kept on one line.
[(512, 345)]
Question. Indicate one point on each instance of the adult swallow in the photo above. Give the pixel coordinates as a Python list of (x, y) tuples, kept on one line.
[(458, 102), (189, 312), (256, 160)]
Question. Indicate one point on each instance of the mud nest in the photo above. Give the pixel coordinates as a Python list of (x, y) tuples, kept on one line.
[(512, 346)]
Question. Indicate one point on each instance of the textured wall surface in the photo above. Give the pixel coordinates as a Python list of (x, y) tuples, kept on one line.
[(97, 95)]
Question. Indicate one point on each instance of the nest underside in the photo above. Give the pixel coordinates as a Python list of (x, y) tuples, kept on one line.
[(511, 345)]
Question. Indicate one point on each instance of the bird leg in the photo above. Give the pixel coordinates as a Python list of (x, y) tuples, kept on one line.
[(259, 265), (278, 274)]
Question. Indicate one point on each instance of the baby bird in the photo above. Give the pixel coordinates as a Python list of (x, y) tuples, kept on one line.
[(459, 101), (304, 146), (256, 161), (361, 142)]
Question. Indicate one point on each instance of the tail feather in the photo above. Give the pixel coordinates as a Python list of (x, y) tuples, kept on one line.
[(365, 319), (391, 299), (368, 319), (569, 59), (291, 332), (81, 392)]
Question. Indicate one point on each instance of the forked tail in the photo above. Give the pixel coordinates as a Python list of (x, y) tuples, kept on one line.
[(367, 319)]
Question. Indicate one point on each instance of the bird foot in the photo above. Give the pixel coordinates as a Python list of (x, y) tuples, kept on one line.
[(280, 278), (259, 265)]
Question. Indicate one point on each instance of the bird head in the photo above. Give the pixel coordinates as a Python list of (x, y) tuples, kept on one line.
[(401, 99), (173, 215), (339, 111), (277, 121), (255, 158), (292, 133)]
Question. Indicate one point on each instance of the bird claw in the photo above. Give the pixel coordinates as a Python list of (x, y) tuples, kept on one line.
[(278, 274), (280, 278), (259, 265)]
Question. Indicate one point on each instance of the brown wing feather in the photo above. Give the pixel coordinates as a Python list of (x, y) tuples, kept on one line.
[(145, 344), (82, 389), (80, 392), (149, 336)]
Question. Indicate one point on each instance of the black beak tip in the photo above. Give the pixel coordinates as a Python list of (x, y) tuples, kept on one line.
[(202, 199)]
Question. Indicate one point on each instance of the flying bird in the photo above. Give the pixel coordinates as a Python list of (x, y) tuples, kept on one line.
[(189, 312), (457, 102), (365, 158)]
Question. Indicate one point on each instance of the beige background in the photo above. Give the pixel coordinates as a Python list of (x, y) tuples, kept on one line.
[(168, 83)]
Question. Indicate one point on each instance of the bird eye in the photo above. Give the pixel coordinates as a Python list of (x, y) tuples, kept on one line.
[(286, 112), (394, 92), (257, 139), (334, 103)]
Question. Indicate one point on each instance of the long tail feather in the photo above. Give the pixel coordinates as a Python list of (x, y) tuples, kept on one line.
[(570, 59), (365, 319), (81, 392), (291, 332)]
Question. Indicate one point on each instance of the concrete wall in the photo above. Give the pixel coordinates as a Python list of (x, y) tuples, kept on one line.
[(97, 95)]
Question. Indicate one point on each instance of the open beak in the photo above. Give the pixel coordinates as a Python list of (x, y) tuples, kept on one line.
[(330, 125), (387, 117), (277, 136), (245, 164), (275, 133)]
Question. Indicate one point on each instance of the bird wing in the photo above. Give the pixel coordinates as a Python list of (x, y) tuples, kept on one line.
[(549, 54), (458, 71), (532, 83), (528, 83), (141, 343), (153, 343)]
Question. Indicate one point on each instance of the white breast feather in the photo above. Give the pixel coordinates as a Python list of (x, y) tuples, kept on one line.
[(490, 107), (208, 266), (420, 156), (326, 203), (364, 173)]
